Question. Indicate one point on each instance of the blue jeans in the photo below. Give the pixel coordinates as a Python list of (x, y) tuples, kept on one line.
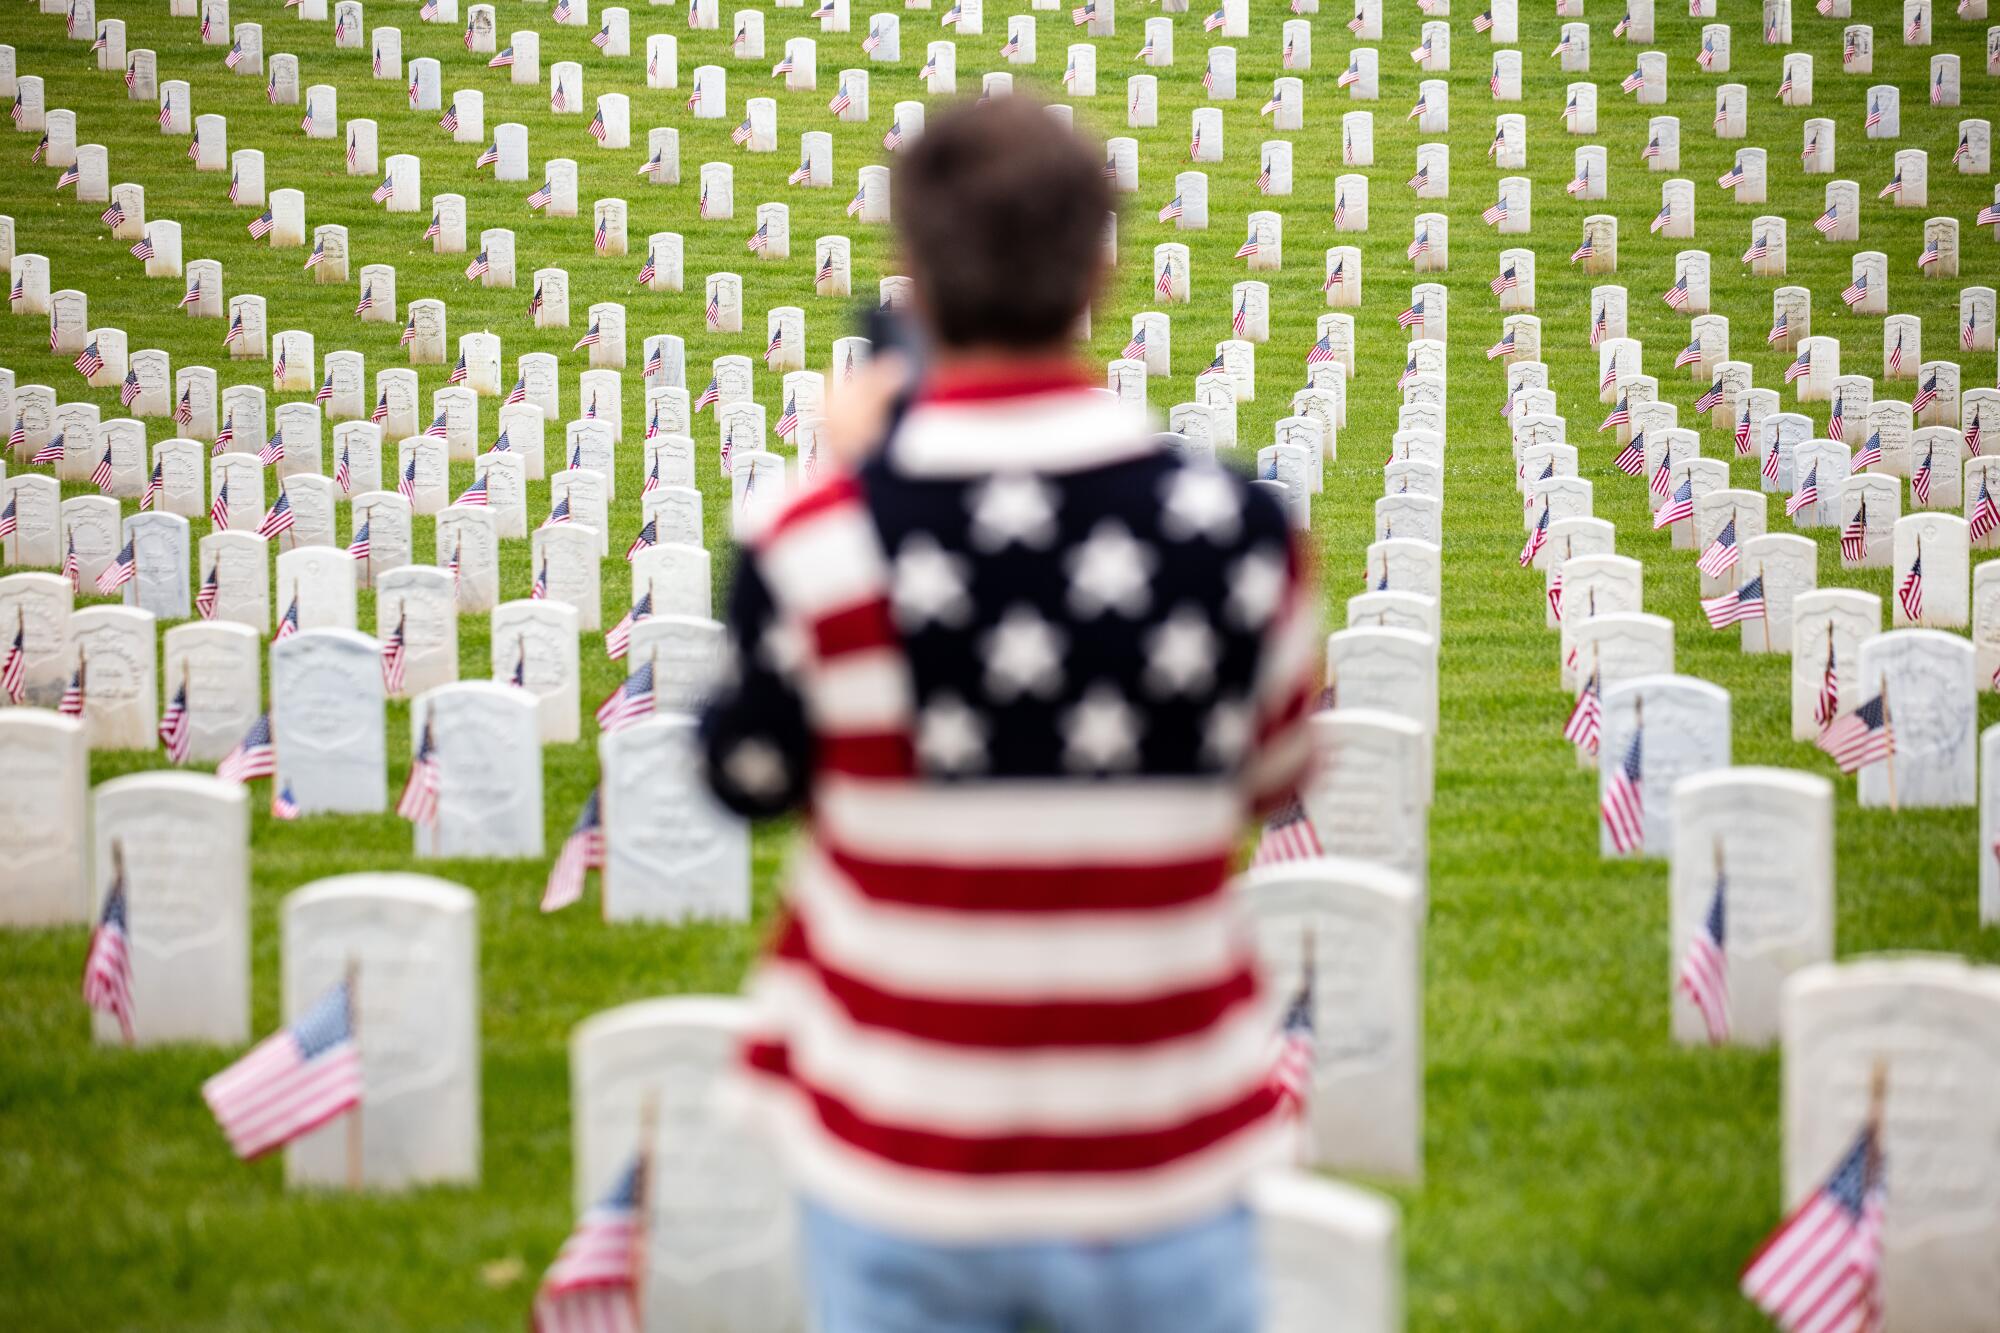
[(1198, 1278)]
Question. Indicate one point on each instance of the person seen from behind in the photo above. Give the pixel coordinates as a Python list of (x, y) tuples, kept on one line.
[(1028, 675)]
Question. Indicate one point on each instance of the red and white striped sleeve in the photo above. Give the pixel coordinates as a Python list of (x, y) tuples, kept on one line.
[(1287, 685)]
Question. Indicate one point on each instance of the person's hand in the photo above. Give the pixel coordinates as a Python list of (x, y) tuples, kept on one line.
[(857, 412)]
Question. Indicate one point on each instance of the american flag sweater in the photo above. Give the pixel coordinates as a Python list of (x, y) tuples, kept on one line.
[(1028, 675)]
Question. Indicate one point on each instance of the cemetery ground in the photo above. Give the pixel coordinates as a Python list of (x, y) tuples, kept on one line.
[(1581, 1171)]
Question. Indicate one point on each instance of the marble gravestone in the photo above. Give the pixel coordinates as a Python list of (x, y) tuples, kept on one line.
[(489, 758), (1767, 834), (720, 1244), (1359, 927), (1927, 1024), (46, 880), (1933, 716), (327, 720), (114, 648), (183, 840), (411, 943), (221, 665), (1369, 800), (1683, 726), (674, 855), (1332, 1256)]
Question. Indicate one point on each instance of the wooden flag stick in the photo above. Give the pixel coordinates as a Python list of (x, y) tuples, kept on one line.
[(354, 1144), (642, 1205), (1765, 593), (1889, 735), (1878, 1102)]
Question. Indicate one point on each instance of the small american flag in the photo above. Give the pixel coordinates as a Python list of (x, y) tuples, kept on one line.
[(589, 1288), (121, 570), (288, 624), (1985, 513), (204, 600), (1870, 455), (1538, 537), (360, 547), (1704, 971), (293, 1081), (1864, 736), (1826, 706), (394, 651), (503, 60), (1926, 395), (1721, 555), (619, 639), (1821, 1271), (76, 693), (1288, 835), (107, 968), (419, 801), (1586, 717), (1920, 480), (279, 518), (1854, 536), (1677, 509), (101, 476), (1805, 496), (1910, 592), (1744, 603), (582, 851), (1623, 807), (1292, 1070), (648, 536), (14, 671)]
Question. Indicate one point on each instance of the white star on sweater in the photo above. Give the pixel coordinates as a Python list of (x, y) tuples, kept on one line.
[(756, 768), (1226, 737), (1014, 509), (1256, 583), (1201, 502), (1110, 571), (1101, 733), (1180, 654), (930, 585), (950, 736), (1023, 656)]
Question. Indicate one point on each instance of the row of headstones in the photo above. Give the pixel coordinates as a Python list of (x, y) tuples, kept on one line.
[(454, 420), (1594, 598), (1598, 252), (673, 854), (719, 1230)]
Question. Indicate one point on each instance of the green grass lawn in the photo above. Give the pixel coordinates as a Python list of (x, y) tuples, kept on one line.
[(1582, 1172)]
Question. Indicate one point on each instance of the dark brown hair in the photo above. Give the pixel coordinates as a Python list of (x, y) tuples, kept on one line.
[(1002, 212)]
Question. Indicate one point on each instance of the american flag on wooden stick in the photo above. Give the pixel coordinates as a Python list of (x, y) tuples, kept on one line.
[(1704, 969), (582, 851), (107, 968), (1288, 835), (1821, 1271), (1623, 807), (1292, 1070), (592, 1285), (292, 1082)]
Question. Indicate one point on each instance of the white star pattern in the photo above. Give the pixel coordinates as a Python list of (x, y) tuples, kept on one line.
[(782, 649), (755, 766), (951, 738), (1111, 571), (1180, 655), (1201, 502), (1023, 656), (1256, 584), (930, 585), (1101, 734), (1014, 509), (1226, 737)]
